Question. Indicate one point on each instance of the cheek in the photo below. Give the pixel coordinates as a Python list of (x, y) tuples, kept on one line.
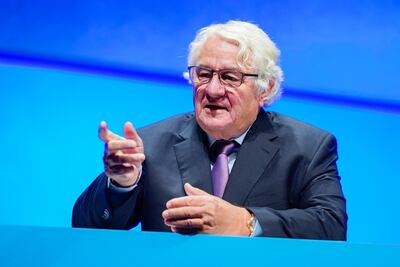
[(198, 95), (237, 102), (243, 104)]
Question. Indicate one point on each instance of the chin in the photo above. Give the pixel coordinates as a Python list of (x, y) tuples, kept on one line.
[(215, 127)]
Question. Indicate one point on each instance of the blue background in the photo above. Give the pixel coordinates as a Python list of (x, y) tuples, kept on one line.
[(67, 65)]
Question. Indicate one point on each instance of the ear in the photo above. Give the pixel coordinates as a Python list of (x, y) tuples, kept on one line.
[(265, 93)]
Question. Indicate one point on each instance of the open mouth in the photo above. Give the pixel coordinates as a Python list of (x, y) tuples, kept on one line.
[(215, 107)]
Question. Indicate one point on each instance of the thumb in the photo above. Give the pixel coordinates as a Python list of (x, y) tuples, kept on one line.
[(130, 133), (103, 131), (194, 191), (106, 135)]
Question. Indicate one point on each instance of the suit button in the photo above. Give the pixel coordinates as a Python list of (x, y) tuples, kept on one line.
[(106, 214)]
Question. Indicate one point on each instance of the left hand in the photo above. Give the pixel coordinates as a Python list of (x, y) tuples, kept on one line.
[(200, 212)]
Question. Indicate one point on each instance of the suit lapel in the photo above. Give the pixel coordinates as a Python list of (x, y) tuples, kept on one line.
[(254, 155), (192, 157)]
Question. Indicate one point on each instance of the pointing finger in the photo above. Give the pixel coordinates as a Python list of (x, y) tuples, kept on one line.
[(130, 133)]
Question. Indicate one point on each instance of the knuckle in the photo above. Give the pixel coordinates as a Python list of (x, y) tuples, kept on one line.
[(165, 214), (170, 204), (134, 158), (190, 201), (133, 144), (142, 157), (214, 201), (111, 144), (200, 222), (118, 153), (186, 213)]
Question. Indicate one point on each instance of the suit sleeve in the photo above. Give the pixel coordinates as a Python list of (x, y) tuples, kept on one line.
[(96, 207), (320, 207)]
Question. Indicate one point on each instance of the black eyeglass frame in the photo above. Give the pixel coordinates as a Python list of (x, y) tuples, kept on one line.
[(222, 81)]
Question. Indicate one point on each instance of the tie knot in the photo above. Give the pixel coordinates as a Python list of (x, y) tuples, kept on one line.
[(223, 147)]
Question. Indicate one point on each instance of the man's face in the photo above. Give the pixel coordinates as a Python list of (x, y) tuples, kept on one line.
[(222, 111)]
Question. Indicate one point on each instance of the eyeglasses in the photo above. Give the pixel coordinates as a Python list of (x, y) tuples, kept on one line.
[(228, 77)]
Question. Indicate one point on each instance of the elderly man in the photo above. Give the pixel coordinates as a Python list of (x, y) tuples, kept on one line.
[(229, 168)]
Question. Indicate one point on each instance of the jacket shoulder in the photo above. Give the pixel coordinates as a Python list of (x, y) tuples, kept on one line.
[(284, 124)]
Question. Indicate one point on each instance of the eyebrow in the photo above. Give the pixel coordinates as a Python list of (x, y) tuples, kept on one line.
[(208, 67)]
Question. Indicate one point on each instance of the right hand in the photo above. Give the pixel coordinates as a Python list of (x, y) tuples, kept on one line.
[(123, 156)]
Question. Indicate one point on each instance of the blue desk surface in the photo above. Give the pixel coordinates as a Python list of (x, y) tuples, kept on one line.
[(45, 246)]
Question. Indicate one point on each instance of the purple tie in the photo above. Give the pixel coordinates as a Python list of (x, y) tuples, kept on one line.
[(221, 149)]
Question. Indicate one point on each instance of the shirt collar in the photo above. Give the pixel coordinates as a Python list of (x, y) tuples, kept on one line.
[(238, 139)]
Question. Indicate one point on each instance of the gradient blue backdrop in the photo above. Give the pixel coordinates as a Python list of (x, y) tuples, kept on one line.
[(67, 65)]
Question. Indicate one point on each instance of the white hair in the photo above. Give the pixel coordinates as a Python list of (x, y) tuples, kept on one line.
[(256, 50)]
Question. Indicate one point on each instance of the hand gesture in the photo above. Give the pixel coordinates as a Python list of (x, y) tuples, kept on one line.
[(123, 156), (200, 212)]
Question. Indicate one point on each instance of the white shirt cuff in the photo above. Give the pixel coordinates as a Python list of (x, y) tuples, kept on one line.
[(119, 189)]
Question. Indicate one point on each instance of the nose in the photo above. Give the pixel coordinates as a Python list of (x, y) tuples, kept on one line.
[(215, 89)]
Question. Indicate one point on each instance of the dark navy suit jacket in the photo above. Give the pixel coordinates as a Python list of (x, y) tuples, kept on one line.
[(285, 173)]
